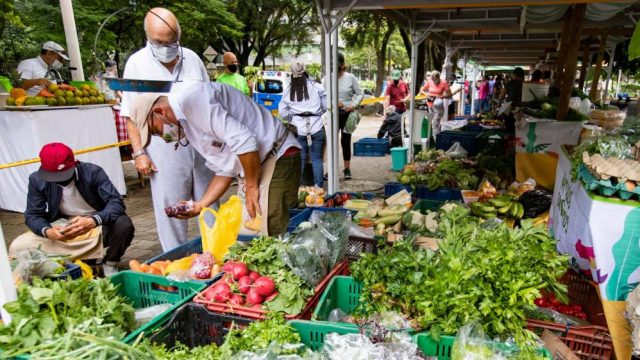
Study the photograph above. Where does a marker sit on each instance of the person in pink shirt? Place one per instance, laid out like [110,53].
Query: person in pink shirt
[436,91]
[482,103]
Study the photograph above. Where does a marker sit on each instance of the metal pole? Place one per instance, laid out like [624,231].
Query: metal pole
[331,186]
[464,88]
[412,101]
[7,287]
[472,85]
[609,71]
[334,89]
[70,33]
[618,83]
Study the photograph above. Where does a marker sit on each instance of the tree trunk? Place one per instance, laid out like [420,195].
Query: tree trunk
[382,56]
[598,69]
[420,70]
[585,63]
[567,63]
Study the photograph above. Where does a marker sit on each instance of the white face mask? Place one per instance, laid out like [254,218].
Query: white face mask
[171,133]
[164,53]
[56,64]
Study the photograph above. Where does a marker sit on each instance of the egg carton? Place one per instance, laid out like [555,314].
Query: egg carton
[606,187]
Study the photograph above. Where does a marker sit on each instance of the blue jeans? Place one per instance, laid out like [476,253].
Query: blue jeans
[317,150]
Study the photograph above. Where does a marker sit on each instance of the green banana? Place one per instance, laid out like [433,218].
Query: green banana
[520,213]
[513,209]
[505,209]
[498,203]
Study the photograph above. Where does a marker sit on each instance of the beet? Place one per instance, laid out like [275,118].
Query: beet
[244,284]
[264,286]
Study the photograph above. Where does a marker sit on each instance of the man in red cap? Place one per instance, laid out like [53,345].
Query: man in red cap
[74,209]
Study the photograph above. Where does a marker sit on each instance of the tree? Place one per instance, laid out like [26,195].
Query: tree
[268,26]
[362,28]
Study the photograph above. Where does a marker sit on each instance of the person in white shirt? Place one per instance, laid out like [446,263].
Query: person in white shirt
[38,72]
[176,170]
[303,104]
[236,136]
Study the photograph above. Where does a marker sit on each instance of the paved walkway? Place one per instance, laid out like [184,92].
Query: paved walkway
[146,245]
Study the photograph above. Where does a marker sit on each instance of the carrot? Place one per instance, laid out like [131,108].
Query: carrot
[157,265]
[145,268]
[154,271]
[135,265]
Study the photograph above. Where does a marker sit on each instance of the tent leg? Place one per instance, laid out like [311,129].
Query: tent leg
[335,110]
[70,33]
[607,98]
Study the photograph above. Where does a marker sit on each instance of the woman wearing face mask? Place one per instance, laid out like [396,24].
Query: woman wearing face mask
[349,96]
[436,91]
[230,75]
[303,103]
[38,72]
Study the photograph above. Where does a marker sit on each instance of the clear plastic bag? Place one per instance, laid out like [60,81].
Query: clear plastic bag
[144,315]
[308,255]
[456,151]
[335,227]
[360,347]
[35,263]
[279,352]
[472,344]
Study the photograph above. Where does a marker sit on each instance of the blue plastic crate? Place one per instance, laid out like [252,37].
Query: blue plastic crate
[190,247]
[371,147]
[72,271]
[294,211]
[306,214]
[391,188]
[473,128]
[441,194]
[467,139]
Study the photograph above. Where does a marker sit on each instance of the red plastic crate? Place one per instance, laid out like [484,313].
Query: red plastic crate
[341,269]
[583,292]
[589,342]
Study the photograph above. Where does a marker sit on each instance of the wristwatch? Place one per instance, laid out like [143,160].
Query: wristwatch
[138,153]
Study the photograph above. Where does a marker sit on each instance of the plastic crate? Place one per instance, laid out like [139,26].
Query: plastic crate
[476,128]
[340,269]
[189,248]
[442,349]
[193,325]
[441,194]
[590,342]
[312,333]
[342,292]
[295,211]
[306,215]
[72,271]
[371,147]
[357,245]
[392,188]
[467,139]
[424,205]
[143,290]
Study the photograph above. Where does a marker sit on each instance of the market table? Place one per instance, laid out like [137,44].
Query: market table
[25,132]
[601,236]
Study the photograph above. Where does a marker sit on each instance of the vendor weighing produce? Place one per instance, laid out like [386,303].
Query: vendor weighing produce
[38,72]
[236,136]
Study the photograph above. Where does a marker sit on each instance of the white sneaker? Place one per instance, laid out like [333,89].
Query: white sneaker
[110,268]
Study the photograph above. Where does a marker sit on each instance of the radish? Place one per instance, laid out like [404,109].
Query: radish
[236,299]
[221,292]
[239,270]
[254,298]
[244,284]
[254,275]
[257,306]
[227,266]
[208,295]
[264,286]
[272,296]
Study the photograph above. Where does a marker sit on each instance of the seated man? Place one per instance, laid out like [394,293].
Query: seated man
[391,127]
[72,208]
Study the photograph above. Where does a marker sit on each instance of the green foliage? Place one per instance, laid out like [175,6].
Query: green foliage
[634,44]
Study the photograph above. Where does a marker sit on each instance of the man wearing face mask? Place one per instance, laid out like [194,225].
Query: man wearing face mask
[231,76]
[396,93]
[36,73]
[73,209]
[176,170]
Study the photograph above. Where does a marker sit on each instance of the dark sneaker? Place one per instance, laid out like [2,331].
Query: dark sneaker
[347,174]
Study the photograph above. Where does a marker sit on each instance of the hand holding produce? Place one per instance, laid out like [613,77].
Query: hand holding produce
[181,208]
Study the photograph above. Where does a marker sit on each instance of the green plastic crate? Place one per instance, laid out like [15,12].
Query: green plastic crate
[442,349]
[6,83]
[142,290]
[424,205]
[342,292]
[312,333]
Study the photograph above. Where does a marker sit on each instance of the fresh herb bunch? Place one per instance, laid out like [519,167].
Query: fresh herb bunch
[490,275]
[183,352]
[263,257]
[50,309]
[259,335]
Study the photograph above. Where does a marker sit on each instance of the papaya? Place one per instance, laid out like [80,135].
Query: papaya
[21,100]
[18,93]
[46,93]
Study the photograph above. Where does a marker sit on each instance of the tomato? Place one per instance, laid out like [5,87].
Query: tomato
[581,315]
[541,302]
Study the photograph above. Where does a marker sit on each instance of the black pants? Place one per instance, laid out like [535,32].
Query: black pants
[345,139]
[117,236]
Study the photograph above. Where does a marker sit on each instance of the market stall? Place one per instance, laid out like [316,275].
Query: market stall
[25,132]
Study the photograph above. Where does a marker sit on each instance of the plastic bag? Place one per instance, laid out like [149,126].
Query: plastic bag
[471,344]
[358,346]
[277,351]
[575,103]
[144,315]
[307,253]
[335,228]
[535,202]
[34,263]
[352,122]
[224,233]
[585,106]
[456,151]
[548,314]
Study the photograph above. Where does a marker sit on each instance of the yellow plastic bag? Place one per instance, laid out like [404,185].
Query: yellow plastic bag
[224,233]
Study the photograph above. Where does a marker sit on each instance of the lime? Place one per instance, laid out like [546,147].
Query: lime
[11,101]
[62,101]
[52,101]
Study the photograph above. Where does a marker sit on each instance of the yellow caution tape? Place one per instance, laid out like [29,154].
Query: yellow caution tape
[78,152]
[381,99]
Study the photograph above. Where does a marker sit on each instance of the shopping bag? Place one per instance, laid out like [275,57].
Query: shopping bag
[218,239]
[352,122]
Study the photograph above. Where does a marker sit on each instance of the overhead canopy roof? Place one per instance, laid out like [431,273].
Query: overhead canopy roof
[504,32]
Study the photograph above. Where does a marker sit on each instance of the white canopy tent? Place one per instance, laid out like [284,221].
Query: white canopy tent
[493,32]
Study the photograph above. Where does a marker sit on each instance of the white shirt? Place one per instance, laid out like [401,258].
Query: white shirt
[349,91]
[72,203]
[144,66]
[316,104]
[221,123]
[34,68]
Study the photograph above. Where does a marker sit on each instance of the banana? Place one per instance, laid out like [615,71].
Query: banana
[520,213]
[504,210]
[498,203]
[513,210]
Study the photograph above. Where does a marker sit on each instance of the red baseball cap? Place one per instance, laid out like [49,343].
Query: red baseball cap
[57,162]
